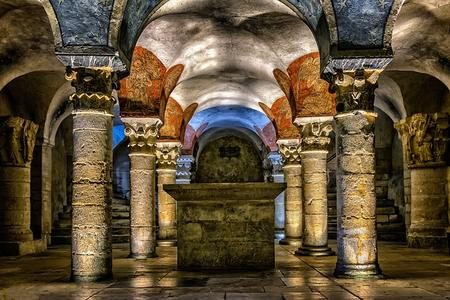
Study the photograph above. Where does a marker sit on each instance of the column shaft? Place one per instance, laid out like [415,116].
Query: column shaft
[293,205]
[167,207]
[356,199]
[142,205]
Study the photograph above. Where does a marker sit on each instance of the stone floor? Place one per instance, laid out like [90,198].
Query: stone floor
[409,274]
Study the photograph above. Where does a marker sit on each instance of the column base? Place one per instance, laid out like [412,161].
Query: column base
[279,234]
[22,248]
[314,251]
[428,242]
[94,278]
[142,256]
[166,243]
[291,241]
[358,271]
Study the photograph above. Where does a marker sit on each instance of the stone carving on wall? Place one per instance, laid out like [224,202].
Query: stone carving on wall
[93,88]
[290,151]
[167,154]
[276,161]
[17,140]
[426,138]
[315,133]
[142,133]
[355,90]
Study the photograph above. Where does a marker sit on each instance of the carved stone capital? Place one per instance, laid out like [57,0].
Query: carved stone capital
[290,151]
[355,90]
[142,134]
[17,141]
[425,138]
[184,166]
[93,88]
[276,161]
[315,133]
[167,154]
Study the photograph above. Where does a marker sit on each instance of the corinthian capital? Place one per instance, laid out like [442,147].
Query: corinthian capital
[17,140]
[167,154]
[93,88]
[355,90]
[290,151]
[315,132]
[425,138]
[142,133]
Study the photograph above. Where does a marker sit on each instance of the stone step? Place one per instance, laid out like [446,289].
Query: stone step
[120,215]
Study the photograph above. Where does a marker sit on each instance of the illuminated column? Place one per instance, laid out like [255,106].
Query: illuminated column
[17,140]
[278,177]
[184,167]
[92,168]
[290,151]
[357,253]
[427,157]
[142,134]
[314,142]
[167,154]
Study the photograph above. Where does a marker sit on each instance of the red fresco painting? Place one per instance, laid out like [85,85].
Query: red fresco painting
[173,118]
[311,92]
[282,113]
[140,92]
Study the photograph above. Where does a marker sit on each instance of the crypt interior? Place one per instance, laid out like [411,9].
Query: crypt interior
[211,149]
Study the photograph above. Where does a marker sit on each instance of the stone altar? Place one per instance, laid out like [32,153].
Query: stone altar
[225,225]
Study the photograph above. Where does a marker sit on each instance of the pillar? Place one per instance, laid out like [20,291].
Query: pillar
[314,144]
[290,151]
[92,172]
[17,140]
[357,252]
[278,177]
[142,134]
[167,154]
[184,167]
[403,130]
[427,158]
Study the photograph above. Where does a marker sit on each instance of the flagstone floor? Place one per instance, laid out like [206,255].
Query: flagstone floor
[409,274]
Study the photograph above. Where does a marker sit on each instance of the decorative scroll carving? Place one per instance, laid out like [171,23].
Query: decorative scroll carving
[290,151]
[355,90]
[17,140]
[315,133]
[184,167]
[93,88]
[167,154]
[426,138]
[142,134]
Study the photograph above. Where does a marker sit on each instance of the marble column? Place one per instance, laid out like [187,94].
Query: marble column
[315,141]
[142,134]
[357,251]
[427,158]
[184,167]
[403,130]
[293,228]
[92,172]
[278,177]
[167,154]
[17,140]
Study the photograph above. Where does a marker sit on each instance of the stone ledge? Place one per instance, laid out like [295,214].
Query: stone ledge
[22,248]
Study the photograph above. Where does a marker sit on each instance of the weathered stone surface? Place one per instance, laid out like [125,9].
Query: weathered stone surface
[356,199]
[225,226]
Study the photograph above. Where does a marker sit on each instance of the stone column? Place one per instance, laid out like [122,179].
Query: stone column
[184,166]
[167,154]
[278,177]
[357,253]
[290,151]
[403,130]
[41,202]
[142,134]
[17,140]
[427,158]
[92,172]
[315,142]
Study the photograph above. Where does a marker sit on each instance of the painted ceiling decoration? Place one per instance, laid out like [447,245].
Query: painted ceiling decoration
[104,32]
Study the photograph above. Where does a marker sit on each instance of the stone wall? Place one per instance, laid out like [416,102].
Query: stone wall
[121,172]
[229,159]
